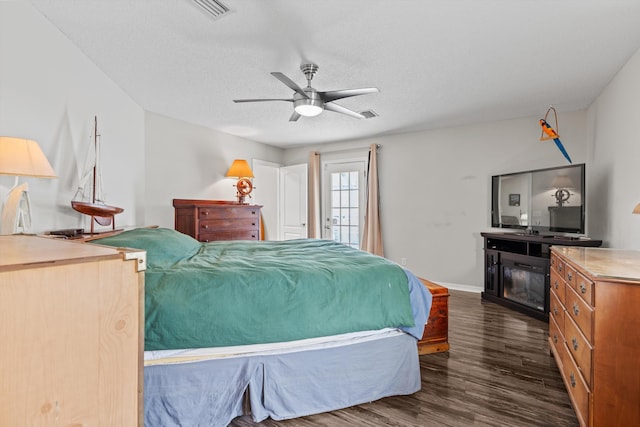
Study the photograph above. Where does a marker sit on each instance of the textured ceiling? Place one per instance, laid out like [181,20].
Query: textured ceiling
[437,63]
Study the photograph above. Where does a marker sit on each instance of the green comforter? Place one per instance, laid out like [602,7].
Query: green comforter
[238,292]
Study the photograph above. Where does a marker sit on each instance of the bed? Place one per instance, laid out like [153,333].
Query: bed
[275,329]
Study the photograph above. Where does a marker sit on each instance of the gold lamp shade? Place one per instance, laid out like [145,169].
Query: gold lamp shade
[240,169]
[636,210]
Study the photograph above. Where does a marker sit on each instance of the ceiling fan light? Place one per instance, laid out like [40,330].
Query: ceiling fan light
[308,107]
[308,110]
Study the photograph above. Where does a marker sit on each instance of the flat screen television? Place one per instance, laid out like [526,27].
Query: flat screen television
[542,201]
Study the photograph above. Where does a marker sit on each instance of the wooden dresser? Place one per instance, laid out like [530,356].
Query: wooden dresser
[594,332]
[208,220]
[436,332]
[71,328]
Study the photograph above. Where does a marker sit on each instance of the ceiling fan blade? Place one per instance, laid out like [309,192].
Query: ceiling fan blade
[261,99]
[340,109]
[290,83]
[294,117]
[332,95]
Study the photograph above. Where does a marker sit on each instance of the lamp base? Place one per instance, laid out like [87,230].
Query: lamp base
[16,215]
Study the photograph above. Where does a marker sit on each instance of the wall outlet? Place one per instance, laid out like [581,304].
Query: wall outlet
[403,261]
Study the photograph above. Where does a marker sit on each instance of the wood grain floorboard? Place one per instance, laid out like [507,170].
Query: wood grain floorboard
[497,373]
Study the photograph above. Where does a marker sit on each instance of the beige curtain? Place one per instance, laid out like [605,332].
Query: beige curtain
[313,197]
[372,233]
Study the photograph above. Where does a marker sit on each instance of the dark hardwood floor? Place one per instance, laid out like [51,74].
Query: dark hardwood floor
[497,373]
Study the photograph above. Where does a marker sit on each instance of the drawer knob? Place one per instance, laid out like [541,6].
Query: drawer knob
[553,261]
[569,276]
[555,339]
[574,341]
[555,310]
[576,309]
[253,212]
[560,268]
[572,379]
[205,212]
[556,284]
[205,226]
[583,288]
[253,223]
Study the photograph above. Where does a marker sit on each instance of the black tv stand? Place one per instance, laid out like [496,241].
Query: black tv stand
[516,269]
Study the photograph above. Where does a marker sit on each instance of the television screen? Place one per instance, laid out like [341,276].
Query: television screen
[544,200]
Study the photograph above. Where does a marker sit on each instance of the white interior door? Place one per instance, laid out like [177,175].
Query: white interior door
[293,196]
[344,187]
[266,178]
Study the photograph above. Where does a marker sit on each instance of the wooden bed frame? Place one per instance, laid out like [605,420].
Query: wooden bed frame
[435,338]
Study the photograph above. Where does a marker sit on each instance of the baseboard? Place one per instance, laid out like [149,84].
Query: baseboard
[459,287]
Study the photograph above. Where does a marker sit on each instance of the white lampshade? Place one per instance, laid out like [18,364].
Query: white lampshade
[20,157]
[562,181]
[23,157]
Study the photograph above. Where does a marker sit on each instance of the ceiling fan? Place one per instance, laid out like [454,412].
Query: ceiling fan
[309,102]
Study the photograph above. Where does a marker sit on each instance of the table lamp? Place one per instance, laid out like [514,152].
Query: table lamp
[240,169]
[20,157]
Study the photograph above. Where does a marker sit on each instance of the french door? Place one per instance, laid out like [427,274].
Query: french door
[344,192]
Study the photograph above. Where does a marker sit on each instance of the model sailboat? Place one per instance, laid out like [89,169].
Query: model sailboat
[88,198]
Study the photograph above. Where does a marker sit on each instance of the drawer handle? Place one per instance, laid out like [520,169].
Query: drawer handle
[556,284]
[205,212]
[560,268]
[253,223]
[572,379]
[253,212]
[555,310]
[553,261]
[574,341]
[576,309]
[555,339]
[205,226]
[569,276]
[583,288]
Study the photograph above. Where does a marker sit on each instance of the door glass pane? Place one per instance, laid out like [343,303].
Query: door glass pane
[354,198]
[354,217]
[353,180]
[335,181]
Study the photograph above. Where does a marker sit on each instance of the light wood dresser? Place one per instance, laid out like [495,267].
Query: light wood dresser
[594,332]
[209,220]
[71,333]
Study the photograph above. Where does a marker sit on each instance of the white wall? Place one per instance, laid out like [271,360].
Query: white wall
[186,161]
[614,160]
[50,92]
[435,187]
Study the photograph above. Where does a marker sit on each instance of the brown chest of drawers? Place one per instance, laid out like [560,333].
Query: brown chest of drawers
[594,332]
[436,332]
[209,220]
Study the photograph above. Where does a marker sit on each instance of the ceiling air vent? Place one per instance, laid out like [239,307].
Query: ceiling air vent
[213,8]
[369,114]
